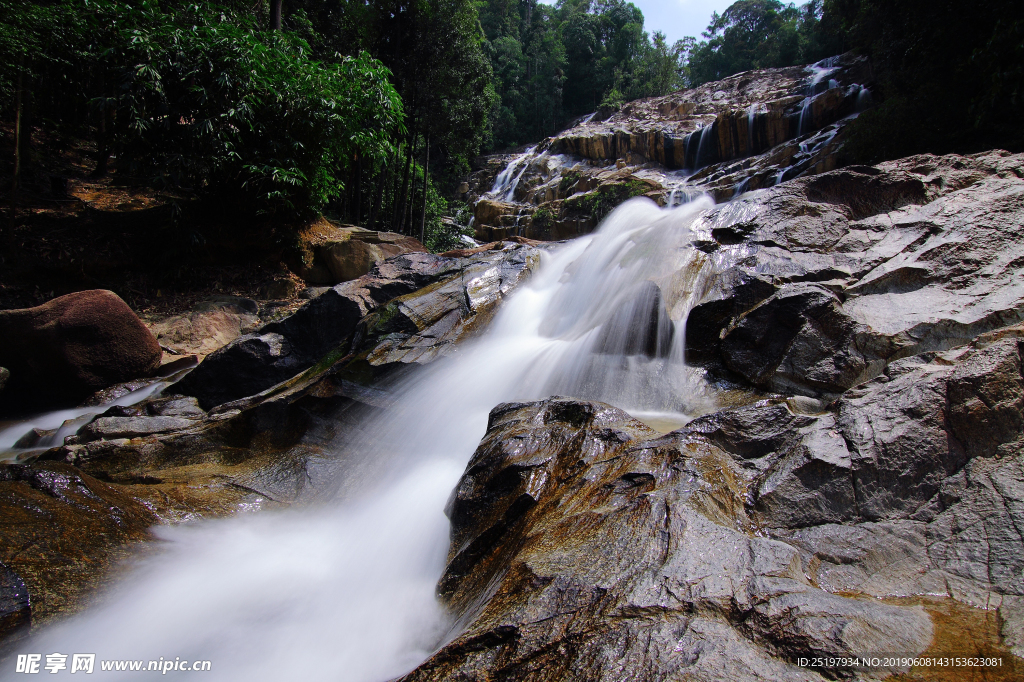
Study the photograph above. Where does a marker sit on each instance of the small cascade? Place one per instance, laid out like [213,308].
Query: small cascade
[864,99]
[548,167]
[698,147]
[752,112]
[505,184]
[819,71]
[59,424]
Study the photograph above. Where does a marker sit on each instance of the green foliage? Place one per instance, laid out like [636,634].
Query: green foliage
[600,202]
[554,63]
[543,217]
[950,80]
[755,34]
[435,52]
[199,97]
[441,232]
[220,106]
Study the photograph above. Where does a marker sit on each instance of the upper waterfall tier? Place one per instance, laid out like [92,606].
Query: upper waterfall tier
[752,130]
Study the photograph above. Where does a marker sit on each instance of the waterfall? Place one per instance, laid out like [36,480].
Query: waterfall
[346,590]
[505,184]
[751,116]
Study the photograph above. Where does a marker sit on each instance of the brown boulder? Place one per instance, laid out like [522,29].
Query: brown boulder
[61,352]
[489,212]
[332,255]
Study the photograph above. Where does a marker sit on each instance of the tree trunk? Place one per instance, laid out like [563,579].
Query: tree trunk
[383,178]
[400,223]
[17,131]
[426,170]
[359,190]
[275,15]
[410,222]
[102,145]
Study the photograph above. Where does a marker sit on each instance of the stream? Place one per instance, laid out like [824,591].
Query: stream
[347,590]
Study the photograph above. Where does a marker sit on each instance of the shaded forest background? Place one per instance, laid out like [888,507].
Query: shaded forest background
[372,110]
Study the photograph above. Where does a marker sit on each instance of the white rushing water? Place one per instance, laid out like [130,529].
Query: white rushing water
[65,422]
[346,591]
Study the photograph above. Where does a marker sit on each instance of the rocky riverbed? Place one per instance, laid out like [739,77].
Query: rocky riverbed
[863,494]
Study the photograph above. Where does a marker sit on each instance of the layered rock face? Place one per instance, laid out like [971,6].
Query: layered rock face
[749,131]
[835,276]
[409,309]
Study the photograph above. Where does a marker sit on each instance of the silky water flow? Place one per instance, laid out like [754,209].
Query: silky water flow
[346,590]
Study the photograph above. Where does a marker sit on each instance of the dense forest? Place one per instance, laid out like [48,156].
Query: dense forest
[374,109]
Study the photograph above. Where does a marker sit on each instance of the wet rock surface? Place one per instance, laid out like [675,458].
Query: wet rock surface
[257,434]
[586,547]
[875,493]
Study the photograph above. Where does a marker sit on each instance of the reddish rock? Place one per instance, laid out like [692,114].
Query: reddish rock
[61,352]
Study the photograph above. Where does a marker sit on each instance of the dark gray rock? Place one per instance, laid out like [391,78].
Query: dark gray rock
[176,406]
[799,339]
[839,274]
[15,606]
[108,428]
[248,365]
[409,308]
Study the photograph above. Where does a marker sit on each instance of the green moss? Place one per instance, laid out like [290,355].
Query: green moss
[568,181]
[600,202]
[542,217]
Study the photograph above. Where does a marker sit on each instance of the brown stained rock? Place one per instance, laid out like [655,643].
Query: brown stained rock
[61,529]
[211,325]
[357,255]
[489,212]
[330,254]
[584,547]
[61,352]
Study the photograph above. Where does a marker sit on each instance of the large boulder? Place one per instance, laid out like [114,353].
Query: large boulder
[586,547]
[354,257]
[61,352]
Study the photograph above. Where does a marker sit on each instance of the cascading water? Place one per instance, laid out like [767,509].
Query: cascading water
[346,590]
[819,72]
[505,184]
[66,422]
